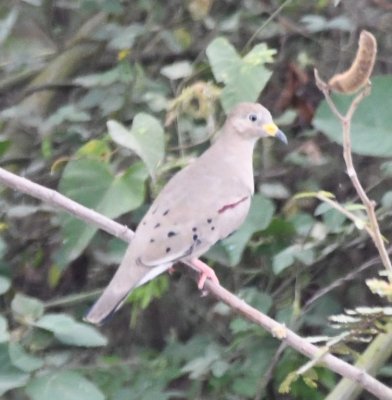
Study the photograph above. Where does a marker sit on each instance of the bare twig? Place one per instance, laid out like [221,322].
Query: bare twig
[278,330]
[357,221]
[379,350]
[370,205]
[338,282]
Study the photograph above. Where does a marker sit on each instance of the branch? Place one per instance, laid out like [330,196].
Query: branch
[370,205]
[58,200]
[278,330]
[378,351]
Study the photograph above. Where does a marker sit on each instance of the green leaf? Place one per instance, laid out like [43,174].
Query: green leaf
[283,260]
[67,113]
[200,366]
[229,251]
[4,335]
[10,376]
[71,332]
[23,360]
[5,284]
[224,59]
[370,128]
[120,73]
[334,220]
[64,385]
[145,138]
[286,257]
[244,78]
[93,184]
[386,200]
[26,308]
[7,23]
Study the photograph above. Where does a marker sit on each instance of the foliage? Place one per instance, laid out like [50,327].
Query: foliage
[108,131]
[371,132]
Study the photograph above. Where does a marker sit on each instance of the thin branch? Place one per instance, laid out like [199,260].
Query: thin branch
[338,282]
[370,205]
[278,330]
[346,389]
[58,200]
[357,221]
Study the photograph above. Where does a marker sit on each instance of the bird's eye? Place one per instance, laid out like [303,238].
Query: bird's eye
[252,117]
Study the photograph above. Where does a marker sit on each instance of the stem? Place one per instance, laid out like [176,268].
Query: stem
[370,205]
[239,306]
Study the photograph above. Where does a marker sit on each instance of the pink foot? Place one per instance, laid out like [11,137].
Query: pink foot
[205,272]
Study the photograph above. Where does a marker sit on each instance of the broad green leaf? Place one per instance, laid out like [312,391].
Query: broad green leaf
[229,251]
[334,220]
[23,360]
[286,257]
[386,200]
[71,332]
[4,335]
[121,73]
[306,256]
[63,385]
[199,366]
[7,23]
[244,78]
[370,128]
[69,113]
[224,59]
[386,169]
[283,260]
[93,184]
[145,138]
[26,308]
[5,284]
[10,376]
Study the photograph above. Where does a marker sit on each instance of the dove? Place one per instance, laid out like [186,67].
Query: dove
[201,204]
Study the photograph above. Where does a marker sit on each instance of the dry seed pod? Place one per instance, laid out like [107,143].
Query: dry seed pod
[358,74]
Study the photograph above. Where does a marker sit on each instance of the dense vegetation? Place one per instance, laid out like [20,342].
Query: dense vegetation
[103,100]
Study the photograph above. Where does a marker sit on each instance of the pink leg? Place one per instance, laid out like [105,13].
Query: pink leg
[205,272]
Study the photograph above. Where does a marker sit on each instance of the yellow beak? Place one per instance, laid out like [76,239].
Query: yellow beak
[272,130]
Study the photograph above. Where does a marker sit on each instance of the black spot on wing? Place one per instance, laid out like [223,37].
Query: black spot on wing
[157,225]
[166,212]
[171,234]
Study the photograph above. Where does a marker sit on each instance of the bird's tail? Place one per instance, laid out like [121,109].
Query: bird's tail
[129,275]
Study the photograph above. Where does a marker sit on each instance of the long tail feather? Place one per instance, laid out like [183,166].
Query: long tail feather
[129,275]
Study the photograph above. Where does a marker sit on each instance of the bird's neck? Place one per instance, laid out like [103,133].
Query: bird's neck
[237,155]
[236,146]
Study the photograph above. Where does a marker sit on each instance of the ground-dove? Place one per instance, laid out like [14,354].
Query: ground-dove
[201,204]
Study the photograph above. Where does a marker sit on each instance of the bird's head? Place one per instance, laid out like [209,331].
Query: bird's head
[253,121]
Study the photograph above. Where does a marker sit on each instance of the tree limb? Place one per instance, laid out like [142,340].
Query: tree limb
[239,306]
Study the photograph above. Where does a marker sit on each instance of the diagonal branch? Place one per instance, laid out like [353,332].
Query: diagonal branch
[239,306]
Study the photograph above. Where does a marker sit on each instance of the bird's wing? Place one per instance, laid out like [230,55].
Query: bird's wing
[186,223]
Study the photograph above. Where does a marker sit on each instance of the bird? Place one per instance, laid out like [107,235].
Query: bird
[200,205]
